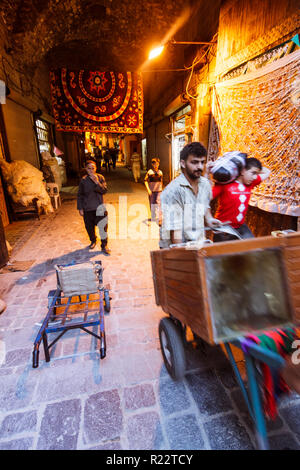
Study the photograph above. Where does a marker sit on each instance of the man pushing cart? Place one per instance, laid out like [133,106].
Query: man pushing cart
[241,293]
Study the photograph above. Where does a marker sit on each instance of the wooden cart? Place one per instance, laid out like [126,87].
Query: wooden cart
[224,292]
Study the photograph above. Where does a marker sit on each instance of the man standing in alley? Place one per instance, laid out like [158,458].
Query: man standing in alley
[98,158]
[114,156]
[185,202]
[136,165]
[107,157]
[90,205]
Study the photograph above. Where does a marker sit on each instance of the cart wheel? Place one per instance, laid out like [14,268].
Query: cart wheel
[172,348]
[106,301]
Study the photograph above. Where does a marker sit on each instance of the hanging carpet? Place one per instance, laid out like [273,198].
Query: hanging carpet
[97,101]
[259,114]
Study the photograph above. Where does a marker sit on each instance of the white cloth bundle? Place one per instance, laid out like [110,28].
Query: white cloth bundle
[54,166]
[228,167]
[25,183]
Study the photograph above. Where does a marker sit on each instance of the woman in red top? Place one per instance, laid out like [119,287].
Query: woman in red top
[233,199]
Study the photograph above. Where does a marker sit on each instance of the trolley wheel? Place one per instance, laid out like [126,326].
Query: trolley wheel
[171,343]
[106,301]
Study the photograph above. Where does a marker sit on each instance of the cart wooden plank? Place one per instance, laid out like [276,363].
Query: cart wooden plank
[180,265]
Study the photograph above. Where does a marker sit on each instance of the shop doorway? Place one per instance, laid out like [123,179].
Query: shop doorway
[178,142]
[44,135]
[179,137]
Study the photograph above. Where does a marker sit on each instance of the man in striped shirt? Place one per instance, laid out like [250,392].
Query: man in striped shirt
[186,200]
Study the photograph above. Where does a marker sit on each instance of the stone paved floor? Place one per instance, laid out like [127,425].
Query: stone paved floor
[127,400]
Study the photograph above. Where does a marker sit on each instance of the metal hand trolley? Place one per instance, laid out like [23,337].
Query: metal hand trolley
[68,313]
[177,269]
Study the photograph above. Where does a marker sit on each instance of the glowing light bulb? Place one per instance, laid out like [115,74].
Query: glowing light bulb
[155,52]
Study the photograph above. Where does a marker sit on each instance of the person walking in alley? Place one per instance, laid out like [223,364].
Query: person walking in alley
[107,157]
[185,202]
[136,165]
[233,198]
[114,156]
[90,205]
[98,158]
[153,183]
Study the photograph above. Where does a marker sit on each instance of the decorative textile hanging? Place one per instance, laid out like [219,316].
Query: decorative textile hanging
[97,101]
[258,114]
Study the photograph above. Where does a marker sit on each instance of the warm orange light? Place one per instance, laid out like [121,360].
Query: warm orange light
[155,52]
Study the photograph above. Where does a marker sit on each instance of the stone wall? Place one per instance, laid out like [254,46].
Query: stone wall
[243,35]
[28,90]
[241,32]
[248,28]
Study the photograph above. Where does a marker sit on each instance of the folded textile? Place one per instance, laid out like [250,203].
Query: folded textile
[78,279]
[273,383]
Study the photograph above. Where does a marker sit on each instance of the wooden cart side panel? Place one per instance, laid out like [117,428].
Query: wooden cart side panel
[292,263]
[191,304]
[187,278]
[180,287]
[178,254]
[206,306]
[172,309]
[158,278]
[185,304]
[183,266]
[293,238]
[194,325]
[184,289]
[239,246]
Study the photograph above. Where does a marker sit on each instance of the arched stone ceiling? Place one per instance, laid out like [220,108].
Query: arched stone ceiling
[85,33]
[40,35]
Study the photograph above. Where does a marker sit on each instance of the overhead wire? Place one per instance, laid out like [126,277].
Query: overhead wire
[196,62]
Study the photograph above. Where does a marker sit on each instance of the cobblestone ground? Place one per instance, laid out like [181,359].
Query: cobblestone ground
[127,400]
